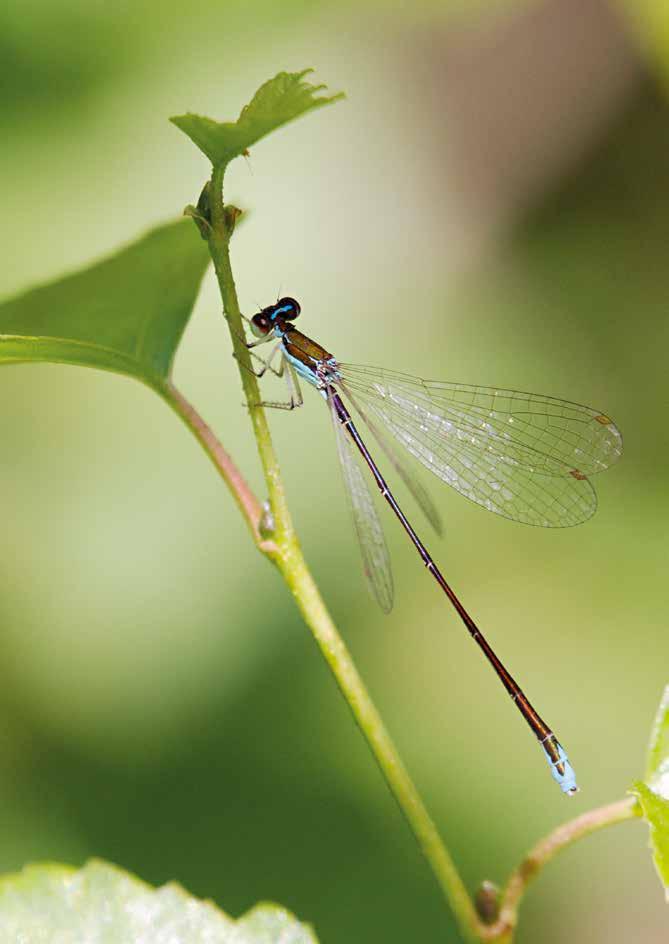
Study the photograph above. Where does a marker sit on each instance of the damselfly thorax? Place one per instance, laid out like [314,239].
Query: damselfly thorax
[309,359]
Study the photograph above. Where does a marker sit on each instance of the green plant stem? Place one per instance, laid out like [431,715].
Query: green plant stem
[290,561]
[312,608]
[220,253]
[503,929]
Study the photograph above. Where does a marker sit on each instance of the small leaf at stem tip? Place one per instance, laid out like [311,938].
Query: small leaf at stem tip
[655,810]
[101,902]
[282,99]
[657,763]
[126,313]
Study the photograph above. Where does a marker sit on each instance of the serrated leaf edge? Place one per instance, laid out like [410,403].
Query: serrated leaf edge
[17,880]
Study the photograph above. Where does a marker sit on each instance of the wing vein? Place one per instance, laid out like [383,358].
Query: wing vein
[520,455]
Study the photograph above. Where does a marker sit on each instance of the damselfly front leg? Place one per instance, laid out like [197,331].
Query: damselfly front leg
[285,370]
[266,364]
[248,344]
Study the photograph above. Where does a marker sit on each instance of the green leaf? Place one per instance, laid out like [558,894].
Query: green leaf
[103,903]
[655,810]
[283,98]
[653,795]
[125,314]
[657,765]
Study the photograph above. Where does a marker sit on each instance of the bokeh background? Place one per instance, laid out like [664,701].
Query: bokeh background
[490,204]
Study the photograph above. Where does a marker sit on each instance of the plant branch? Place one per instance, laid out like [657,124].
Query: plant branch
[503,929]
[245,499]
[289,559]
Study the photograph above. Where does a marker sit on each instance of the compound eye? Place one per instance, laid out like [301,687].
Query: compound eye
[289,308]
[260,325]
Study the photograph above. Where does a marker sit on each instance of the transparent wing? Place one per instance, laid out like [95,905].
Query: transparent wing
[375,557]
[547,435]
[420,494]
[520,455]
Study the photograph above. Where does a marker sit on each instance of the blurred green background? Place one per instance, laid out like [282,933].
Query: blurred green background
[491,204]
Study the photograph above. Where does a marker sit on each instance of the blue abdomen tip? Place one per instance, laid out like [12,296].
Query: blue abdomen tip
[567,779]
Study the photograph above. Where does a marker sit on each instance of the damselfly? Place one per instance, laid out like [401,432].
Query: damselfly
[523,456]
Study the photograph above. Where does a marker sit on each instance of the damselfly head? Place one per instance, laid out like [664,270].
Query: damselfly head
[286,309]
